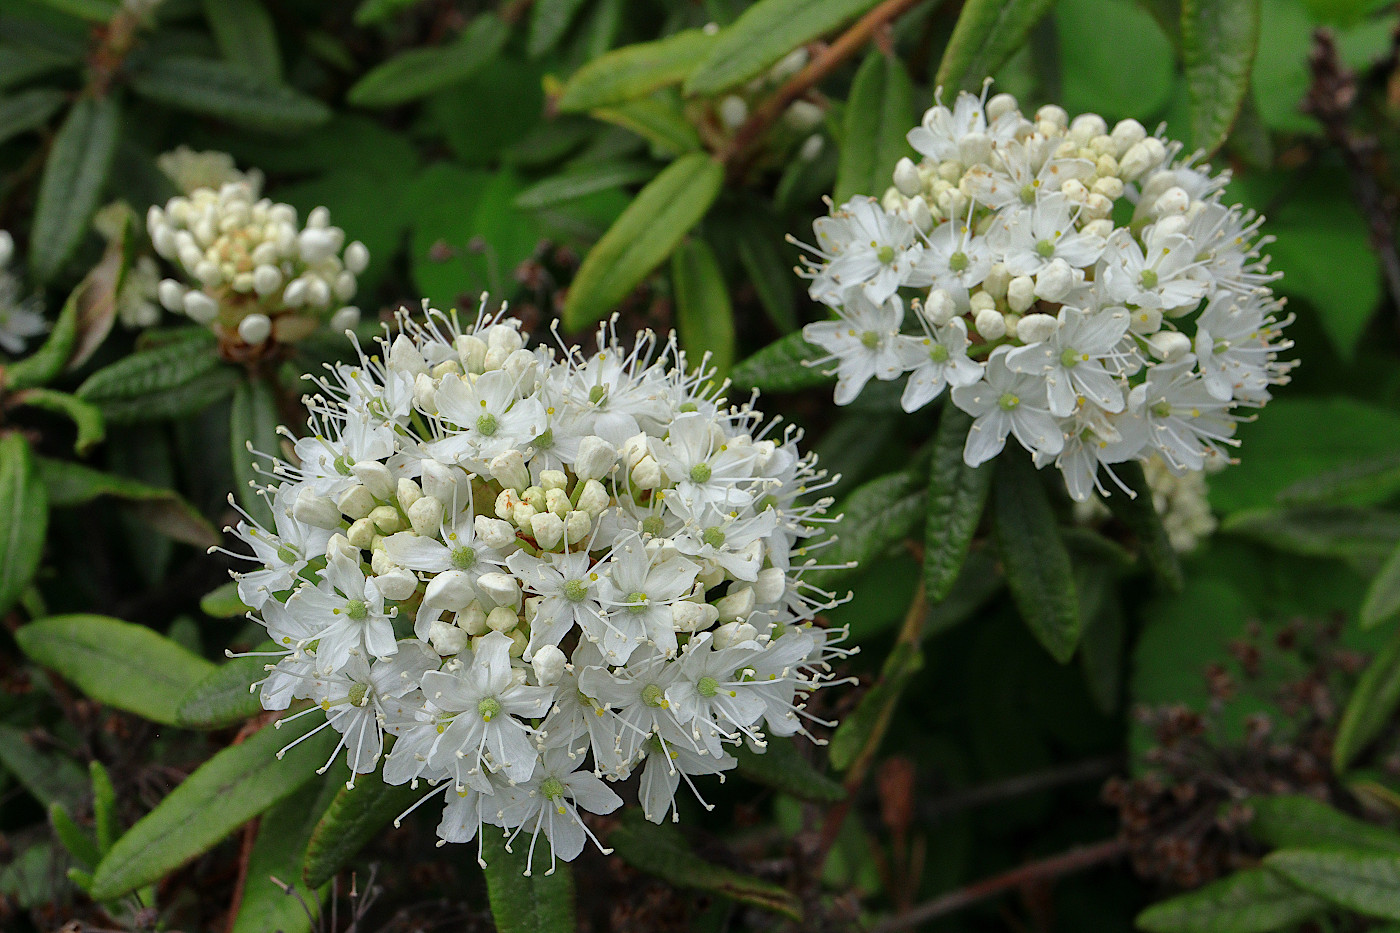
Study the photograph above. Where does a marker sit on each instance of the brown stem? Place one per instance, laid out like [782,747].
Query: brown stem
[1019,786]
[245,855]
[1066,863]
[827,61]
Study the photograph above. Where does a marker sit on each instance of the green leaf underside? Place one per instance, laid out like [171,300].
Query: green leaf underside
[1291,821]
[987,33]
[539,903]
[1383,595]
[1370,707]
[1255,900]
[215,89]
[72,484]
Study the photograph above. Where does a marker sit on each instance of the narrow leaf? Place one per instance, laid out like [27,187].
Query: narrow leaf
[217,89]
[74,174]
[585,179]
[634,71]
[762,35]
[168,380]
[417,73]
[704,316]
[957,494]
[1218,41]
[1383,595]
[223,696]
[878,515]
[1364,882]
[988,32]
[86,418]
[24,518]
[277,853]
[224,793]
[1037,564]
[538,903]
[659,119]
[783,366]
[1370,706]
[48,775]
[1291,821]
[876,706]
[127,666]
[642,237]
[1364,535]
[72,484]
[75,839]
[223,602]
[783,768]
[104,805]
[549,22]
[354,818]
[878,115]
[660,851]
[28,110]
[769,273]
[253,421]
[246,37]
[1140,515]
[1252,901]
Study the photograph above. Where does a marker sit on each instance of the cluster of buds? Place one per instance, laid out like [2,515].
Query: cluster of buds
[249,271]
[1091,341]
[539,572]
[800,120]
[1181,499]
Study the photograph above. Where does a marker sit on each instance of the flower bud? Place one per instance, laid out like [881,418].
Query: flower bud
[425,393]
[647,473]
[634,449]
[596,458]
[356,502]
[734,633]
[294,295]
[356,257]
[361,533]
[446,368]
[548,529]
[509,470]
[473,620]
[687,616]
[471,350]
[1109,187]
[1020,293]
[376,478]
[577,525]
[344,319]
[770,585]
[397,583]
[387,519]
[502,619]
[1169,345]
[505,338]
[501,588]
[940,307]
[404,356]
[737,604]
[557,501]
[974,148]
[1173,201]
[553,479]
[493,532]
[1036,328]
[172,296]
[548,662]
[521,514]
[990,324]
[266,279]
[1142,157]
[316,511]
[1085,127]
[425,516]
[1054,281]
[1128,133]
[733,111]
[199,307]
[919,215]
[451,590]
[518,644]
[446,639]
[534,495]
[906,178]
[1000,105]
[407,492]
[440,480]
[594,498]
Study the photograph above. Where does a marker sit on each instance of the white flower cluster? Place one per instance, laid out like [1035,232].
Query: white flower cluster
[20,318]
[1079,287]
[539,569]
[249,270]
[1182,501]
[191,170]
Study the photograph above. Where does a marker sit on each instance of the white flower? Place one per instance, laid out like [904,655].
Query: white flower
[865,246]
[1071,360]
[1006,402]
[864,342]
[936,360]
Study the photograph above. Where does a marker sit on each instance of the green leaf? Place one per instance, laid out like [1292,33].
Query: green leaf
[1140,515]
[878,115]
[783,366]
[769,272]
[875,707]
[246,37]
[277,853]
[354,818]
[878,515]
[222,794]
[1037,564]
[783,768]
[1383,595]
[104,806]
[661,851]
[72,484]
[704,316]
[634,71]
[1370,707]
[1133,75]
[1362,536]
[1289,821]
[86,418]
[762,35]
[549,22]
[49,776]
[28,110]
[123,665]
[1255,900]
[1364,882]
[24,518]
[642,237]
[217,89]
[988,32]
[1369,479]
[957,493]
[417,73]
[377,11]
[1101,648]
[223,602]
[540,903]
[1218,40]
[74,838]
[223,696]
[169,380]
[580,180]
[659,119]
[253,420]
[74,174]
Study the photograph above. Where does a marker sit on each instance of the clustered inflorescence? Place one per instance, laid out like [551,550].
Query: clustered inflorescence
[1081,288]
[247,268]
[538,569]
[20,318]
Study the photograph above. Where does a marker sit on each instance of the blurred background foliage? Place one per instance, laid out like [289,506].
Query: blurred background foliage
[576,156]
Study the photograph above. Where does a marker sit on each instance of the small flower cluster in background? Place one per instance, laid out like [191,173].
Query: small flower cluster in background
[537,570]
[20,318]
[1079,287]
[246,267]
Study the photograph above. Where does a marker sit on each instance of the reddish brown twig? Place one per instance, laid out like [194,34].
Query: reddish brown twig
[1067,863]
[827,61]
[245,855]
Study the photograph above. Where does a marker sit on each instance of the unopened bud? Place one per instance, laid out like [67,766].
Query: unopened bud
[425,516]
[734,633]
[509,470]
[1169,345]
[990,324]
[451,590]
[737,604]
[387,519]
[502,619]
[596,458]
[446,639]
[1036,328]
[314,510]
[906,177]
[548,662]
[361,533]
[577,525]
[1054,281]
[770,585]
[356,502]
[501,588]
[473,620]
[440,480]
[687,616]
[646,474]
[548,529]
[199,307]
[492,532]
[376,478]
[397,583]
[940,307]
[1020,293]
